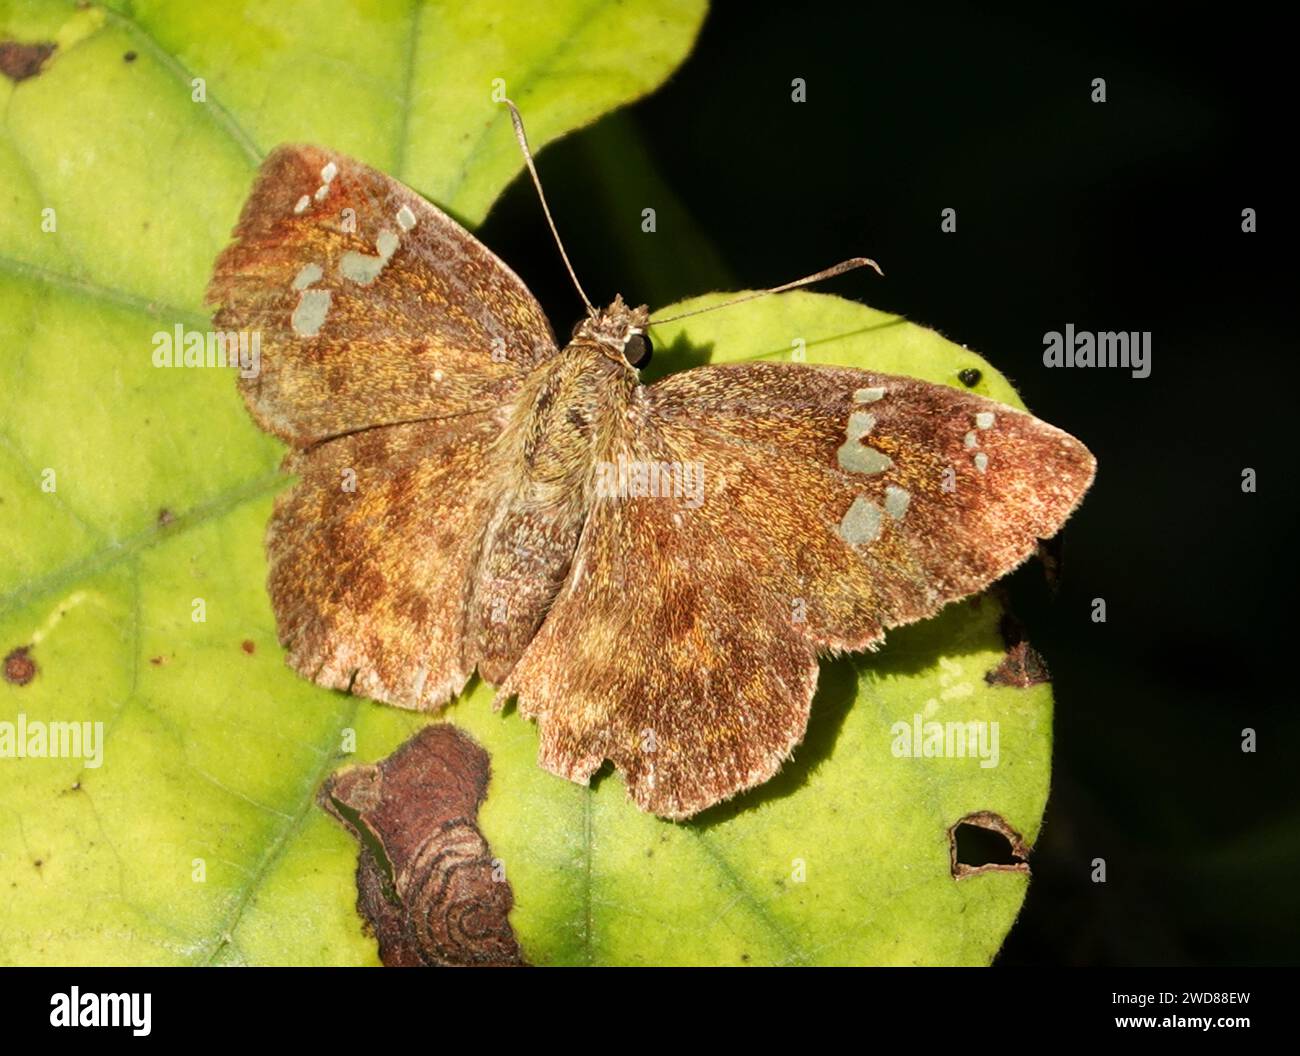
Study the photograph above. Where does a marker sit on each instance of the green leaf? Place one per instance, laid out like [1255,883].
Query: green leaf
[197,840]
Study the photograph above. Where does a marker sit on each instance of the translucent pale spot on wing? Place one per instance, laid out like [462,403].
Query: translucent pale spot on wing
[856,457]
[362,268]
[405,218]
[981,461]
[861,524]
[310,314]
[302,203]
[984,420]
[896,501]
[971,441]
[868,395]
[309,274]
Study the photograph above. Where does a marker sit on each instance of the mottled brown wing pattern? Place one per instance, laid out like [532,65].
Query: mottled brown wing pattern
[669,649]
[448,454]
[393,347]
[372,305]
[373,554]
[897,496]
[684,643]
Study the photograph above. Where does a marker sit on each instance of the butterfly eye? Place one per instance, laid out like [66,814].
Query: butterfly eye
[637,350]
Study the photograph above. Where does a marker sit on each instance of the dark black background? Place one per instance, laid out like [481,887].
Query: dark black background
[1117,216]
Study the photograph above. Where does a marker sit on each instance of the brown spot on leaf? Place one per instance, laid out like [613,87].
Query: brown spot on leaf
[427,883]
[19,61]
[1023,666]
[248,646]
[20,668]
[970,852]
[157,661]
[130,56]
[165,517]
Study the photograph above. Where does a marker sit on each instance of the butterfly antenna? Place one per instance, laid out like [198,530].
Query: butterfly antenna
[828,273]
[537,182]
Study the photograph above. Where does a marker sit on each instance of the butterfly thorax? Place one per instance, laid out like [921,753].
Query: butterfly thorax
[568,417]
[565,413]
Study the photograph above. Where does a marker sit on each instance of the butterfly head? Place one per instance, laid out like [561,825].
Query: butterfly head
[619,331]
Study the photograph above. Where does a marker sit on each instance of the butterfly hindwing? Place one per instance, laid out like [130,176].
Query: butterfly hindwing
[836,503]
[666,650]
[371,305]
[373,554]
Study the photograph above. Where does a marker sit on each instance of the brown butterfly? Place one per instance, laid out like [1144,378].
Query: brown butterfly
[473,496]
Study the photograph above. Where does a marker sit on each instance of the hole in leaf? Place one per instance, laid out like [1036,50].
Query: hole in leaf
[983,843]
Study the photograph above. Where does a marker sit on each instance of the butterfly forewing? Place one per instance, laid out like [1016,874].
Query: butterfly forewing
[371,305]
[393,348]
[915,494]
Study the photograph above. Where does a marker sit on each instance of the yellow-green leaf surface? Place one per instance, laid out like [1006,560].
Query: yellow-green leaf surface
[134,499]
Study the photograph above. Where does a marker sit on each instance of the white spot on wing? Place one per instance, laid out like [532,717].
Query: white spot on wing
[405,218]
[309,274]
[856,457]
[309,316]
[387,243]
[364,269]
[897,501]
[360,267]
[861,524]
